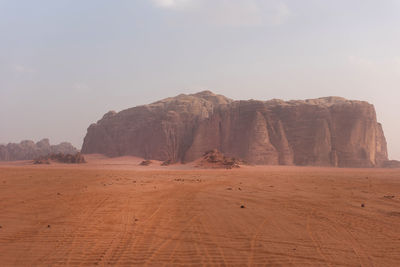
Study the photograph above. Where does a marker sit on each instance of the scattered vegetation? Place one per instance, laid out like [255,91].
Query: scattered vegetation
[60,157]
[389,197]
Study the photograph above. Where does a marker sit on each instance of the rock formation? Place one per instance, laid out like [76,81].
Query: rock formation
[215,159]
[29,150]
[330,131]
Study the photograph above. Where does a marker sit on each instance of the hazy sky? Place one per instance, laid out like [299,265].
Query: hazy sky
[65,63]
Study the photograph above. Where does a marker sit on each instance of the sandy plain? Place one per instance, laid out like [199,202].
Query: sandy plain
[116,213]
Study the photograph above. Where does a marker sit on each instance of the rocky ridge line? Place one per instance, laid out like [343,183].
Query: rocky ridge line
[29,150]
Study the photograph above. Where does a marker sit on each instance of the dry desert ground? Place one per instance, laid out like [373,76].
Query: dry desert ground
[114,212]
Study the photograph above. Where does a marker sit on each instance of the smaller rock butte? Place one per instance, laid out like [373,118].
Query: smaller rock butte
[329,131]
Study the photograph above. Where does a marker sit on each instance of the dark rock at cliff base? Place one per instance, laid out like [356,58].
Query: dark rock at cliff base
[329,131]
[145,163]
[167,163]
[29,150]
[216,159]
[41,160]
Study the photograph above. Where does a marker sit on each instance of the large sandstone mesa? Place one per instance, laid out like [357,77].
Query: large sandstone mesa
[330,131]
[28,150]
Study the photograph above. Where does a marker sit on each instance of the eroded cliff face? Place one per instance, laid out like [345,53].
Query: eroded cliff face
[328,131]
[162,130]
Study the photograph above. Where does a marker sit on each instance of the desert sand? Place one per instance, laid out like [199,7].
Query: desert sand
[114,212]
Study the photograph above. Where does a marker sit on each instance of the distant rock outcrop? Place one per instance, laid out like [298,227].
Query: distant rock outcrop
[330,131]
[29,150]
[391,164]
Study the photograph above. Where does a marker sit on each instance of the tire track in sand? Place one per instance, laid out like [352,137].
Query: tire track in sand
[317,244]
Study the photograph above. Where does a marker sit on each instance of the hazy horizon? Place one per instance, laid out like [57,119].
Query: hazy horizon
[66,63]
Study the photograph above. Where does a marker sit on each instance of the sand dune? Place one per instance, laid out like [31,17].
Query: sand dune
[127,215]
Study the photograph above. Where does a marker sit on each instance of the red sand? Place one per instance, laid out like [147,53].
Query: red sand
[113,212]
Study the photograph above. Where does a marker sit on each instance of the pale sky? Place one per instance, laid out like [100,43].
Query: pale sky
[65,63]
